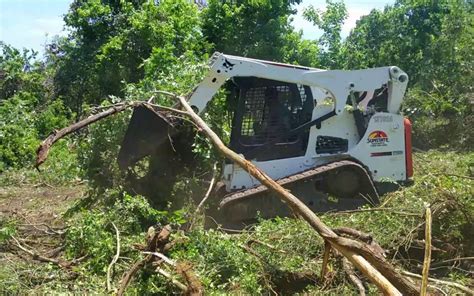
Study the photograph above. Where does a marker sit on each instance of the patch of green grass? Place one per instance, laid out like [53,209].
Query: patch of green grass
[282,246]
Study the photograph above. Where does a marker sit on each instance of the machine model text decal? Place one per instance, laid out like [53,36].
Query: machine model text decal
[383,118]
[377,139]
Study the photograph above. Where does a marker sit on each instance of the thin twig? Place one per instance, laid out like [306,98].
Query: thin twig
[251,241]
[49,230]
[209,190]
[168,108]
[161,256]
[391,210]
[441,282]
[427,260]
[177,283]
[349,269]
[327,253]
[36,256]
[452,260]
[114,260]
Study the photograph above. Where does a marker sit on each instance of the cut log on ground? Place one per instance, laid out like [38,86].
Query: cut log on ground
[157,240]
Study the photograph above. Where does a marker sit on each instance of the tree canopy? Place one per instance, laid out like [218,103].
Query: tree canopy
[130,48]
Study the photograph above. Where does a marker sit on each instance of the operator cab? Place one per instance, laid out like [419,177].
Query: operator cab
[266,112]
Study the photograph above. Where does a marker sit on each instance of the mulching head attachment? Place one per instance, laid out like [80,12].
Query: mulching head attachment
[148,131]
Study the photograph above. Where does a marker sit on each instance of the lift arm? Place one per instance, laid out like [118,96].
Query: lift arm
[337,83]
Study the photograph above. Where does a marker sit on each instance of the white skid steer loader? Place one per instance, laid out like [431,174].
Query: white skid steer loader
[329,136]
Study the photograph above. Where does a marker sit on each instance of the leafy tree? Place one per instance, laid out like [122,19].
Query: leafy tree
[258,29]
[110,43]
[330,21]
[26,112]
[432,41]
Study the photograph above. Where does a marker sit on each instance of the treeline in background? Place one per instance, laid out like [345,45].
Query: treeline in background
[124,50]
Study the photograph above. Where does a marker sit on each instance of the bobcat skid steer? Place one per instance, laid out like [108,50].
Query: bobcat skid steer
[329,136]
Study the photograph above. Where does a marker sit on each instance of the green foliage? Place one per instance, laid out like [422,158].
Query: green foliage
[18,138]
[330,21]
[258,29]
[22,125]
[27,114]
[98,152]
[7,229]
[19,72]
[113,39]
[91,232]
[432,42]
[220,262]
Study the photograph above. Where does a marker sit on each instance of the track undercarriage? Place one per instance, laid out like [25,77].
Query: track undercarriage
[340,185]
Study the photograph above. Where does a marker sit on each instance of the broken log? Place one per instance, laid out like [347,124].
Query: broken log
[157,240]
[375,267]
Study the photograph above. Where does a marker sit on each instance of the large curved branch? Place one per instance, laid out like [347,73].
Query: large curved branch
[384,275]
[43,149]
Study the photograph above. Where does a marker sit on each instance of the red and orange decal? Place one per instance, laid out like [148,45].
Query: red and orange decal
[377,138]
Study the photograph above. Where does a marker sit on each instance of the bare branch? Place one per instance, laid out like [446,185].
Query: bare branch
[349,269]
[427,260]
[327,253]
[441,282]
[43,149]
[209,190]
[376,268]
[36,256]
[114,260]
[177,283]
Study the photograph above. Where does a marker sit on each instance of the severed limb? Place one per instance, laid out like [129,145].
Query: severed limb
[59,262]
[43,150]
[327,253]
[375,267]
[460,287]
[114,260]
[349,269]
[209,190]
[427,260]
[157,240]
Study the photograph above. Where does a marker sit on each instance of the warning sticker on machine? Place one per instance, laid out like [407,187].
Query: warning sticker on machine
[377,139]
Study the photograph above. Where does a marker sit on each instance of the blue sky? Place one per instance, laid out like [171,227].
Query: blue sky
[31,23]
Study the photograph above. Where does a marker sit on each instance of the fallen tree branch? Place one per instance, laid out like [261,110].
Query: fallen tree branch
[349,269]
[162,257]
[114,260]
[327,253]
[43,149]
[465,289]
[177,283]
[209,190]
[376,268]
[194,286]
[35,256]
[366,238]
[49,230]
[427,260]
[156,240]
[378,209]
[128,276]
